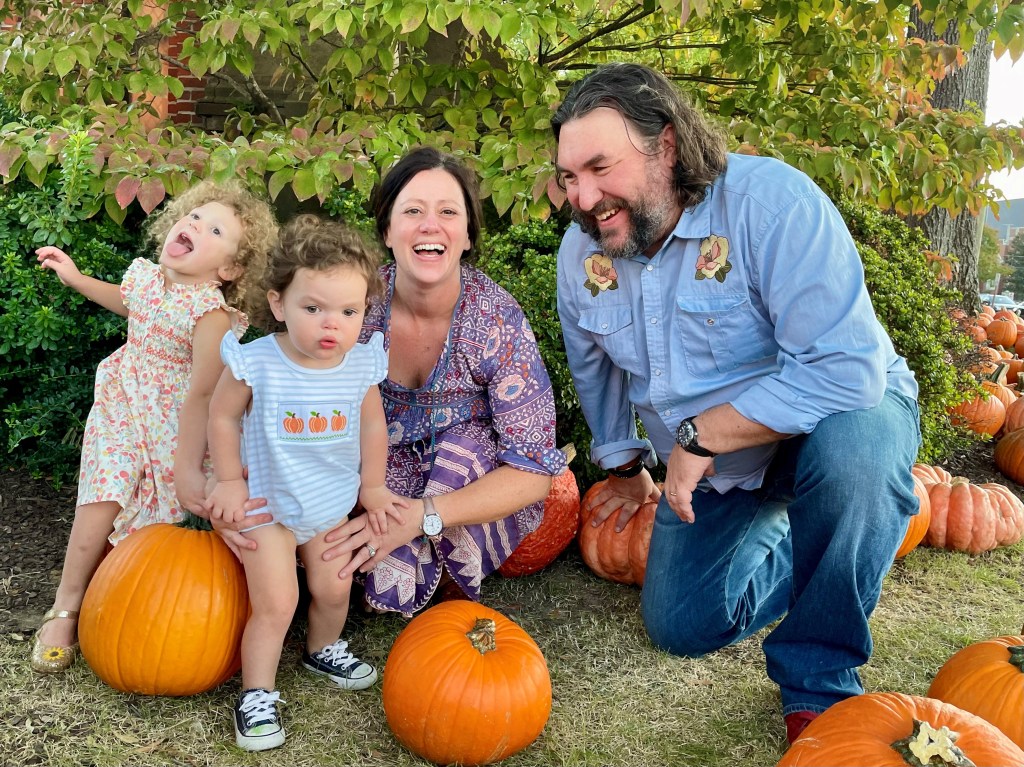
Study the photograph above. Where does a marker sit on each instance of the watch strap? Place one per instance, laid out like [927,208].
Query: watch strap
[628,470]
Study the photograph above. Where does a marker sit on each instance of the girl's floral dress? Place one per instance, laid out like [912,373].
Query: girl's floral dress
[132,430]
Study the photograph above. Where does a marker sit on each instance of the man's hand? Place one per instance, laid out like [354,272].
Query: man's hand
[685,470]
[623,495]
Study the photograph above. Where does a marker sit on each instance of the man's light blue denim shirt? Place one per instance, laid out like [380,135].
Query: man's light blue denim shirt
[756,298]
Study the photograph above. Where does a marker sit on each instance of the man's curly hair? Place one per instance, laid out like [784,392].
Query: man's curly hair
[259,233]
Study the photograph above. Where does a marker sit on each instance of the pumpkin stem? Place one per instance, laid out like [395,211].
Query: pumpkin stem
[1017,656]
[190,521]
[928,747]
[481,636]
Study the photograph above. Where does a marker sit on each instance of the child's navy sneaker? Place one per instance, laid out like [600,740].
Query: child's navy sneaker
[340,666]
[257,721]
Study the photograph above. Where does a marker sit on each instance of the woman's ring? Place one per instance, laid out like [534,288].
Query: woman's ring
[671,493]
[373,551]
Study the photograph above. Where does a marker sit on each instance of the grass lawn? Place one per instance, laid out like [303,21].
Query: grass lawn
[617,701]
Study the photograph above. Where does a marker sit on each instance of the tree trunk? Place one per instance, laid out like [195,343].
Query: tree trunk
[961,89]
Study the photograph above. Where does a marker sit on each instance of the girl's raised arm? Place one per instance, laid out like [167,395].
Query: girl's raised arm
[106,294]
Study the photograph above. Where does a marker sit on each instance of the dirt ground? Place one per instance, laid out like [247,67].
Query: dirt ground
[35,521]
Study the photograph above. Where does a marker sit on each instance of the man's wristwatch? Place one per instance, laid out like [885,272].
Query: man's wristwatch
[628,470]
[432,524]
[686,438]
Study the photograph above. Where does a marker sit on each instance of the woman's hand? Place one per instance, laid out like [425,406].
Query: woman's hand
[356,536]
[230,531]
[626,495]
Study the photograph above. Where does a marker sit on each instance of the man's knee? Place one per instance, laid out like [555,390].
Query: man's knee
[685,629]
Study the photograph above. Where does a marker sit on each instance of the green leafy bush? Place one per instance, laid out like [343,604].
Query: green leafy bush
[51,338]
[916,312]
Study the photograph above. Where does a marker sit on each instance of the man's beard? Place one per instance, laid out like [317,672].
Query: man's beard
[647,223]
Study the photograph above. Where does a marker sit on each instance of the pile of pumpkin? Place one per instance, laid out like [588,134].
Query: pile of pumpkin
[999,412]
[181,594]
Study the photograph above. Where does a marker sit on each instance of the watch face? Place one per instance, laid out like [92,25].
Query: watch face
[685,433]
[432,525]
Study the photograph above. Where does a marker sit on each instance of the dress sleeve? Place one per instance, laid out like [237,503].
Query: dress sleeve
[378,358]
[520,394]
[211,298]
[233,355]
[137,270]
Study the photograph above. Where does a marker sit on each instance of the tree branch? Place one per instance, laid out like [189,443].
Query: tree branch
[631,16]
[250,90]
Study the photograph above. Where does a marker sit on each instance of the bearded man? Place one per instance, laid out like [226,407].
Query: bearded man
[721,299]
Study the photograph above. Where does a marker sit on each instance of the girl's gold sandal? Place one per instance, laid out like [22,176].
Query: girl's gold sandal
[52,659]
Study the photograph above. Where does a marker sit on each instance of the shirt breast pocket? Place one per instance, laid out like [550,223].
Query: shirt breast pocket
[615,333]
[719,334]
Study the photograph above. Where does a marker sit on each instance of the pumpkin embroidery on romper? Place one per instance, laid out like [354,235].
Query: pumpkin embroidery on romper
[713,261]
[309,422]
[601,274]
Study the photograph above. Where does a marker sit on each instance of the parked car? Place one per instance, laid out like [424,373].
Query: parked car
[1000,302]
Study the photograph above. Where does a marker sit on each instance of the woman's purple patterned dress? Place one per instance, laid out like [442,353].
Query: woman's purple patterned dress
[487,403]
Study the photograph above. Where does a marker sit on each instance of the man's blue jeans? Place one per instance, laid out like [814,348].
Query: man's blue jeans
[812,544]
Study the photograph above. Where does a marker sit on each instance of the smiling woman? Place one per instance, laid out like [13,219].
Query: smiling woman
[470,411]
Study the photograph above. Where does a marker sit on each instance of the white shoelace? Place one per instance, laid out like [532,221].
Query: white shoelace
[337,654]
[258,705]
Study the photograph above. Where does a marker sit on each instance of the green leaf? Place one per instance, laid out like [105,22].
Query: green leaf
[64,61]
[279,181]
[473,19]
[413,14]
[304,184]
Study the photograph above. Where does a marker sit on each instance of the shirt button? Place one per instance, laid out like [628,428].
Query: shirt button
[657,372]
[654,320]
[604,326]
[668,412]
[710,322]
[650,268]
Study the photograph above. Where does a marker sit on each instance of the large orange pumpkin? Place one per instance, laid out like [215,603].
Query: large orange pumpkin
[987,679]
[557,529]
[464,684]
[619,556]
[164,613]
[887,729]
[1001,332]
[918,526]
[1014,416]
[962,517]
[982,415]
[1009,455]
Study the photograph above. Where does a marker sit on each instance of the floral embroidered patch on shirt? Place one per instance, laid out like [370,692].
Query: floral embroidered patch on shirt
[601,274]
[713,260]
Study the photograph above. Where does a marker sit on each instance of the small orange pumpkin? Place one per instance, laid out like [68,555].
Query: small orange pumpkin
[918,526]
[889,729]
[338,421]
[557,529]
[619,556]
[464,684]
[317,422]
[164,613]
[987,679]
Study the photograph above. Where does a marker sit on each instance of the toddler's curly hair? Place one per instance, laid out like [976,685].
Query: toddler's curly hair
[312,242]
[259,233]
